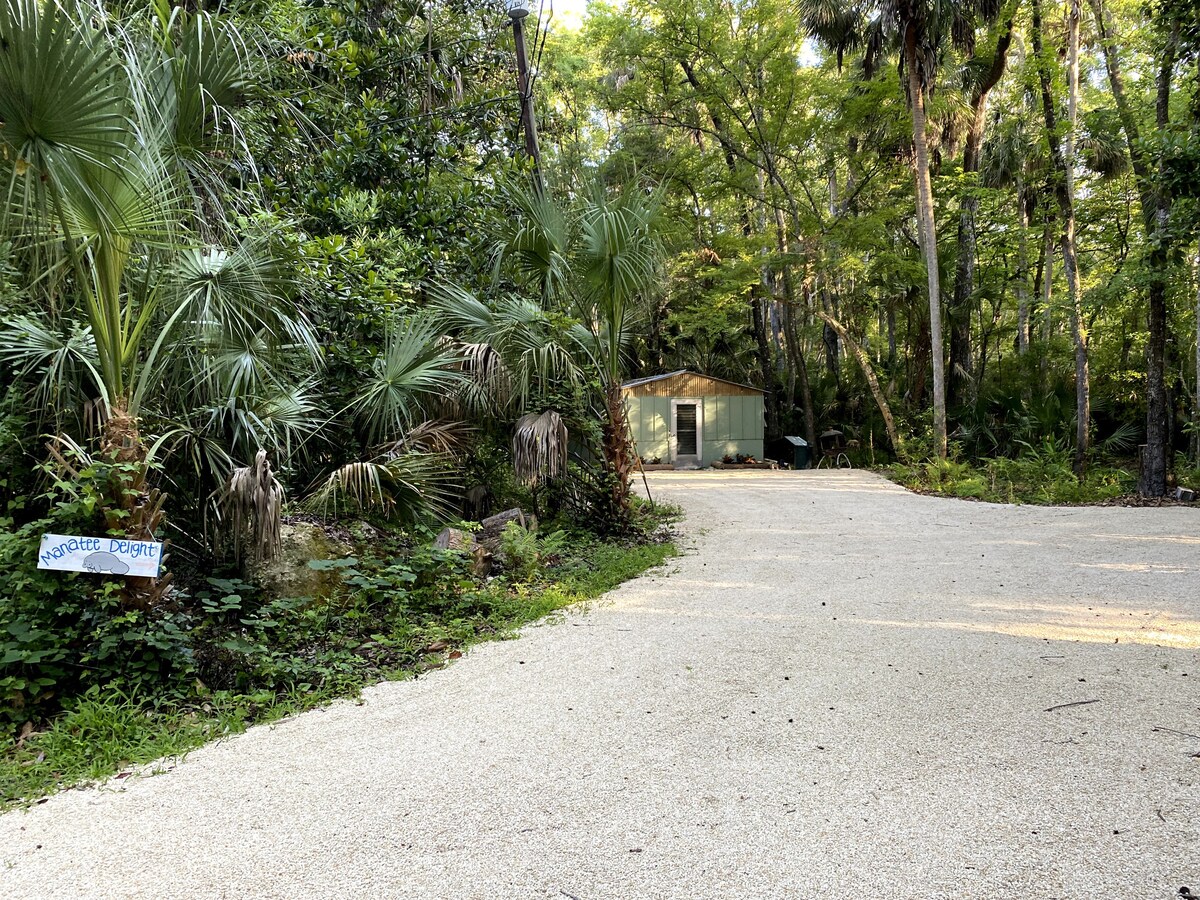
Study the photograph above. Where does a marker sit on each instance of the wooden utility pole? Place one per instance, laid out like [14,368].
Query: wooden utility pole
[518,12]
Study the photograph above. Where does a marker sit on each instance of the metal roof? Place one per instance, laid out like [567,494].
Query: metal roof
[640,381]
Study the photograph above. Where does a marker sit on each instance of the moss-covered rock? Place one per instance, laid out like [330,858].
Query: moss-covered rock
[290,575]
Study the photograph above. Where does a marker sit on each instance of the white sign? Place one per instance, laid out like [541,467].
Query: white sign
[100,555]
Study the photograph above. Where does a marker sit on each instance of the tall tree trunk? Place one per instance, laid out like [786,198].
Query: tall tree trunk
[872,382]
[757,311]
[1083,387]
[964,276]
[1156,461]
[1022,271]
[833,351]
[891,334]
[829,337]
[1047,291]
[928,232]
[132,505]
[1196,398]
[796,352]
[619,457]
[1063,153]
[1156,213]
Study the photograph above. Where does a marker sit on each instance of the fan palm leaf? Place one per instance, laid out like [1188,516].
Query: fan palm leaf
[534,349]
[407,487]
[536,241]
[61,103]
[414,368]
[59,364]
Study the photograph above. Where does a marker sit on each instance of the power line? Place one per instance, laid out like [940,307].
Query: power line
[537,61]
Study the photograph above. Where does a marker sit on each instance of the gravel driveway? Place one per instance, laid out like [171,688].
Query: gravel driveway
[841,690]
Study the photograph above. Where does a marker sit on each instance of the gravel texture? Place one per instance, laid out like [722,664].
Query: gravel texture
[840,691]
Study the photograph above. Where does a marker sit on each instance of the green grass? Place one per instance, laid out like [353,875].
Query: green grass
[102,733]
[609,566]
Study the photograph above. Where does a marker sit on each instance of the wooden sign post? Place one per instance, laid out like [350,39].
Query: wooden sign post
[100,555]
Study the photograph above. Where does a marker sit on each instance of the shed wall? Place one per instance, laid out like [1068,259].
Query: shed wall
[649,423]
[731,425]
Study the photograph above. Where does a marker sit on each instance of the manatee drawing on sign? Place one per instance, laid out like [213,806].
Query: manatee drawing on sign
[105,563]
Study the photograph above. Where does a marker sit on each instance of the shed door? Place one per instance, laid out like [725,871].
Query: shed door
[686,432]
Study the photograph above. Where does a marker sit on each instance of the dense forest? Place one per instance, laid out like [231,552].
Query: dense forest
[277,261]
[975,219]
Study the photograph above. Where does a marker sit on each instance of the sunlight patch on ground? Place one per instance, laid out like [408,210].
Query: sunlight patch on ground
[1136,567]
[722,614]
[1178,635]
[1164,538]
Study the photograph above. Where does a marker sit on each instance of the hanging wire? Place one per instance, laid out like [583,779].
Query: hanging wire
[537,61]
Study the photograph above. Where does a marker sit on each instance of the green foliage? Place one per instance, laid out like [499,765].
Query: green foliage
[130,686]
[525,553]
[104,731]
[62,633]
[1042,475]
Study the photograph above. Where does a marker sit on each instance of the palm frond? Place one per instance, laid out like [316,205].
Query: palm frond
[58,110]
[252,505]
[61,367]
[535,348]
[489,382]
[444,438]
[536,241]
[413,368]
[540,448]
[245,289]
[408,487]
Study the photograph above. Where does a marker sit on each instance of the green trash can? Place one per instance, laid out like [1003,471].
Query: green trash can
[801,452]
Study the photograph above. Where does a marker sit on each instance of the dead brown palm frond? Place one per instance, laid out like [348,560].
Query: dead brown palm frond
[485,365]
[540,448]
[434,436]
[251,506]
[489,382]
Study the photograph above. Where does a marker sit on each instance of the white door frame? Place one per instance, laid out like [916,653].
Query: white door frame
[698,459]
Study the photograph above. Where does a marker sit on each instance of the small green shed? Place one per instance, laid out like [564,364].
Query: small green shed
[687,419]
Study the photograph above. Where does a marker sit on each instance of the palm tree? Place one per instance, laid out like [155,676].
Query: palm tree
[620,256]
[514,353]
[596,264]
[922,31]
[398,409]
[112,136]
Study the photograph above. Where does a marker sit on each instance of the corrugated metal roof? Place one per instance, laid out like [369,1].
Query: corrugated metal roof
[637,382]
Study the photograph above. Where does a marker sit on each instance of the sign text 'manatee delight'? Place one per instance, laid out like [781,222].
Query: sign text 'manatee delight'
[100,555]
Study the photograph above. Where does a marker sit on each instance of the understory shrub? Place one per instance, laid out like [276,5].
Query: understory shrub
[63,635]
[525,552]
[1041,474]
